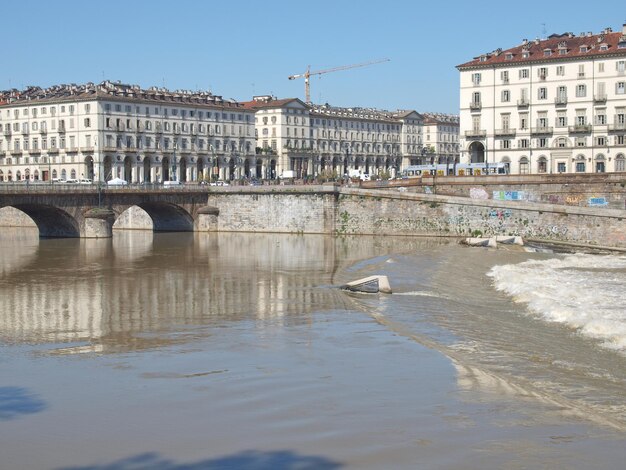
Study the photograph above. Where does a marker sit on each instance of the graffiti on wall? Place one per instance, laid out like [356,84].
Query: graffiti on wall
[509,195]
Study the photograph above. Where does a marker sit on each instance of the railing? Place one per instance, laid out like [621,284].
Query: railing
[599,98]
[560,100]
[505,132]
[523,102]
[580,129]
[476,133]
[475,105]
[541,130]
[619,127]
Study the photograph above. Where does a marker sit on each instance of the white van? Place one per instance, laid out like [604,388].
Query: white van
[171,183]
[85,181]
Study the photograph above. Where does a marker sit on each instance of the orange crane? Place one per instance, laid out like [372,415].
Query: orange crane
[306,75]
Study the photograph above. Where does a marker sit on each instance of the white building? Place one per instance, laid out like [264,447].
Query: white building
[112,130]
[555,105]
[309,139]
[441,137]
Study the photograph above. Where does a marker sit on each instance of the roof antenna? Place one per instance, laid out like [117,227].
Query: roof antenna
[543,31]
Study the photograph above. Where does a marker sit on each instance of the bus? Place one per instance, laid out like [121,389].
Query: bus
[456,169]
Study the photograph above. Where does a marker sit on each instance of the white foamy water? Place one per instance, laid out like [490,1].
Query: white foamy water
[584,292]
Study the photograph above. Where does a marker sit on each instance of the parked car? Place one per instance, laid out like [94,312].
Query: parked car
[72,181]
[85,181]
[117,182]
[168,184]
[219,183]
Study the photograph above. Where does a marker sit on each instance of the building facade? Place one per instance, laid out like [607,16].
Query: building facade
[441,137]
[112,130]
[556,105]
[311,139]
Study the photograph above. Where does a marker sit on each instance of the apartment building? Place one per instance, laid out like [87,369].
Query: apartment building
[555,105]
[441,137]
[309,139]
[110,130]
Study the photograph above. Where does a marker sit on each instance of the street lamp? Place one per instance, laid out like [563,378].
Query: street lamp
[174,161]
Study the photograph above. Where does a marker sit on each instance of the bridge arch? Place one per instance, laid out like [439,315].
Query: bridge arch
[51,221]
[166,217]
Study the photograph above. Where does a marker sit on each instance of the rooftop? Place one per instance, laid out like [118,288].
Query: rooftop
[112,90]
[556,47]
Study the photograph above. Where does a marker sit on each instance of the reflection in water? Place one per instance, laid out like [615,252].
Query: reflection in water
[112,293]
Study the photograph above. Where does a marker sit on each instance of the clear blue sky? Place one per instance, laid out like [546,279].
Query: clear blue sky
[241,48]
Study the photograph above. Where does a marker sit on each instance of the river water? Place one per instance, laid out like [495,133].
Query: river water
[196,351]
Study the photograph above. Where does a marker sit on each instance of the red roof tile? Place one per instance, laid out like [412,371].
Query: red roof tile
[569,43]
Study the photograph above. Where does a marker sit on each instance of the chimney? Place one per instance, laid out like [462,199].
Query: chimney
[624,29]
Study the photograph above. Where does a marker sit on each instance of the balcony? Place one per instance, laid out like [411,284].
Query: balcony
[544,130]
[43,130]
[599,98]
[523,103]
[34,151]
[580,129]
[61,127]
[109,148]
[475,105]
[72,150]
[86,149]
[505,132]
[16,152]
[7,131]
[619,127]
[476,134]
[560,100]
[53,150]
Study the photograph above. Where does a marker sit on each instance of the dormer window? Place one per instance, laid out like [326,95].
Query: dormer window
[508,56]
[547,52]
[604,47]
[584,48]
[562,51]
[525,55]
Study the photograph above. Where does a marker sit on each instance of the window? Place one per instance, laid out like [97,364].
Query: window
[542,142]
[547,52]
[601,67]
[620,66]
[601,119]
[542,73]
[581,71]
[560,167]
[580,167]
[87,122]
[523,143]
[506,96]
[523,73]
[620,163]
[561,119]
[620,88]
[476,98]
[560,70]
[504,75]
[542,93]
[581,91]
[505,144]
[581,141]
[523,121]
[542,165]
[523,165]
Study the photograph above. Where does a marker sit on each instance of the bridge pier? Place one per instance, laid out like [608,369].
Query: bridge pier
[98,223]
[207,219]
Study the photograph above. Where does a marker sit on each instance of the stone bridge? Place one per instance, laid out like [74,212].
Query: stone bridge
[329,209]
[89,211]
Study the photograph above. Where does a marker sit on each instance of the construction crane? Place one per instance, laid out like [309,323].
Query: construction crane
[306,75]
